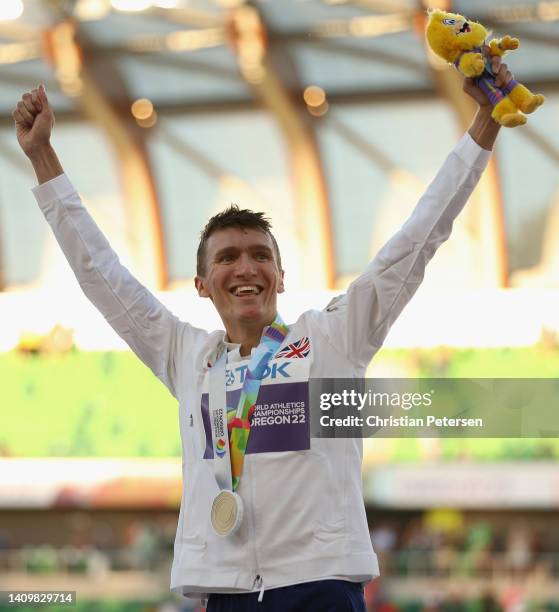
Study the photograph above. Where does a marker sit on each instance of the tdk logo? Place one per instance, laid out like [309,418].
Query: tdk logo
[273,371]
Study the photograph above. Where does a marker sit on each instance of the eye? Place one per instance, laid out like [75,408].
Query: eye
[263,256]
[449,21]
[225,258]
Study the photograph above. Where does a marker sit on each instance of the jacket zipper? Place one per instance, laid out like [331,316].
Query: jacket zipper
[258,580]
[259,584]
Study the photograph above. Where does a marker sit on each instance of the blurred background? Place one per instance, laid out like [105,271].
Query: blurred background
[331,116]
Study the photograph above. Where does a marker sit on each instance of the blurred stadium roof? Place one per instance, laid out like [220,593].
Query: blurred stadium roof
[325,113]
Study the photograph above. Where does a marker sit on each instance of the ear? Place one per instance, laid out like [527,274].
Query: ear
[281,287]
[200,285]
[435,13]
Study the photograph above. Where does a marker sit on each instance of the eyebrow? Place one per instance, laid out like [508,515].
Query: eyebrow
[234,249]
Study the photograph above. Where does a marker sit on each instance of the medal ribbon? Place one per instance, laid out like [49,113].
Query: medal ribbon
[232,439]
[239,428]
[218,423]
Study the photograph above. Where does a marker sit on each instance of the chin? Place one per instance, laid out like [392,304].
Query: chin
[250,313]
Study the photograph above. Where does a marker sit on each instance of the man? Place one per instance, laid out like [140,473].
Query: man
[270,520]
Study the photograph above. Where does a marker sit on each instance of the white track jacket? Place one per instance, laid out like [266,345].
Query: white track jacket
[304,517]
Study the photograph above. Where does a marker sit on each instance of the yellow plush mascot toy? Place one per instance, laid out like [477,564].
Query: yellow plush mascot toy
[462,43]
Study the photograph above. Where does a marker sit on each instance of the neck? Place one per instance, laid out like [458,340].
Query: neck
[247,336]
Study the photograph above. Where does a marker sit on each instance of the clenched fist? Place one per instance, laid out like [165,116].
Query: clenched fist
[503,77]
[34,121]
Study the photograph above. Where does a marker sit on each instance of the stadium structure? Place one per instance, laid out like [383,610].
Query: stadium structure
[332,117]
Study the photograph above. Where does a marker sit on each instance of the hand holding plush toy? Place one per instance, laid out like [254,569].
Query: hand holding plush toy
[462,43]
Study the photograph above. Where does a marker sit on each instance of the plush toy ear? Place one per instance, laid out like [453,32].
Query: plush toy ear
[434,12]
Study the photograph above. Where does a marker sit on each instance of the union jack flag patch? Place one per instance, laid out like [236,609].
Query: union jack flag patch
[297,350]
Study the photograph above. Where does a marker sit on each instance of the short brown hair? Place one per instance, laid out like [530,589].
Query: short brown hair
[233,217]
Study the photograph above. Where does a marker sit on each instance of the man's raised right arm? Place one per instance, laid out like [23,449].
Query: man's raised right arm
[34,121]
[145,324]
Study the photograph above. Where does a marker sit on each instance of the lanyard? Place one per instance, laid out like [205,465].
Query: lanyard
[229,447]
[218,423]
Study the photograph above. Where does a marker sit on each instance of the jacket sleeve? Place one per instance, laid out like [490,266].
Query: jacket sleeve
[357,322]
[142,321]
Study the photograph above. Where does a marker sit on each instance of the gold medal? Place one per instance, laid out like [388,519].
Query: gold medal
[227,512]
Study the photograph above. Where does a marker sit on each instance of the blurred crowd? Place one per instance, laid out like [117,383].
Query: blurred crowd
[480,565]
[95,545]
[424,559]
[480,548]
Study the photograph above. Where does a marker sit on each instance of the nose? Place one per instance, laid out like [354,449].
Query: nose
[245,266]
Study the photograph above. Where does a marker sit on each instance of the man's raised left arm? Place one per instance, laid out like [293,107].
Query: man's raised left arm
[359,321]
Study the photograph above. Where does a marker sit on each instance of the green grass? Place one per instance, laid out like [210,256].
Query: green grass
[110,405]
[533,362]
[84,404]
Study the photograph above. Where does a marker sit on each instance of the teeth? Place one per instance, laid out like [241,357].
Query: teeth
[246,289]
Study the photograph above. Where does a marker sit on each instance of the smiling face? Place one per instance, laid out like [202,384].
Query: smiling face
[449,34]
[242,278]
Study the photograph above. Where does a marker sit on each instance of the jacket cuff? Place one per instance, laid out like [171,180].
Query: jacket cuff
[56,189]
[471,153]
